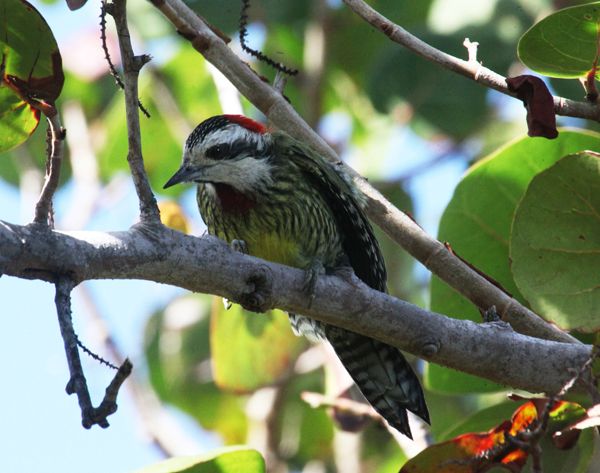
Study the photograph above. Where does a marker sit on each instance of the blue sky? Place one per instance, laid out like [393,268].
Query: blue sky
[41,424]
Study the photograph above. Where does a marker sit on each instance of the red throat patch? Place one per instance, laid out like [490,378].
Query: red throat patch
[232,200]
[247,123]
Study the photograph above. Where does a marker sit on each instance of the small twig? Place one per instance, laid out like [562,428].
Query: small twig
[469,69]
[43,208]
[584,374]
[132,65]
[487,277]
[77,383]
[94,356]
[529,439]
[104,9]
[471,49]
[108,405]
[589,83]
[49,147]
[279,82]
[316,400]
[257,54]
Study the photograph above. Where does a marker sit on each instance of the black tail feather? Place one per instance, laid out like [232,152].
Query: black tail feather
[383,375]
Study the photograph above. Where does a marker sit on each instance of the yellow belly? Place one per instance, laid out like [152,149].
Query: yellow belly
[273,248]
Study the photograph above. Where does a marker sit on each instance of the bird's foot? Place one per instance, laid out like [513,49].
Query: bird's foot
[240,246]
[313,271]
[491,317]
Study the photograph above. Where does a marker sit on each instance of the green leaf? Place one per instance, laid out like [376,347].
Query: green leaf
[564,44]
[250,351]
[17,120]
[456,107]
[438,378]
[555,243]
[236,459]
[178,356]
[457,111]
[33,70]
[400,265]
[477,224]
[581,455]
[574,460]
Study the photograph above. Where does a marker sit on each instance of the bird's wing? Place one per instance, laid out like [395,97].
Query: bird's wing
[380,371]
[359,242]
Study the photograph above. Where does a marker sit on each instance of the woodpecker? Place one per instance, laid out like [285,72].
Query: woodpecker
[272,197]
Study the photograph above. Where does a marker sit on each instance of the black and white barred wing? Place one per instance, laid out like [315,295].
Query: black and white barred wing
[358,239]
[380,371]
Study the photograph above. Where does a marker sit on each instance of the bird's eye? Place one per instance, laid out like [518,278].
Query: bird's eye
[215,152]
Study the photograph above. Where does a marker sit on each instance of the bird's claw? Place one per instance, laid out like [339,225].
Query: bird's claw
[313,271]
[227,303]
[491,315]
[240,246]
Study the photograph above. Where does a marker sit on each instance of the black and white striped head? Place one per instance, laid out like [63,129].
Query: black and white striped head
[227,149]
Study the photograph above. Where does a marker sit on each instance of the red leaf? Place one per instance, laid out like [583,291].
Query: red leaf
[467,453]
[477,452]
[541,120]
[566,440]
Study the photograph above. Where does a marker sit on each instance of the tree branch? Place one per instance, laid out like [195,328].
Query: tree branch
[131,69]
[77,383]
[209,265]
[43,208]
[401,229]
[470,69]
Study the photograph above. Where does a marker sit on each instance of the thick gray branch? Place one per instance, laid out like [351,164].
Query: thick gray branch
[492,351]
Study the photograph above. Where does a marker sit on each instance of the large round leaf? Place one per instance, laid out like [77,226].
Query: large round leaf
[477,224]
[564,44]
[178,356]
[248,350]
[33,70]
[555,243]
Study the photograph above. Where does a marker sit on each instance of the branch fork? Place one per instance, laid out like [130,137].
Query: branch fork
[77,383]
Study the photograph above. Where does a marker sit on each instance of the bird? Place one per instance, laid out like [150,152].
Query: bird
[271,196]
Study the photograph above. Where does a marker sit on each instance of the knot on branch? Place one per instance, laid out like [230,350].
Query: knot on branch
[140,61]
[258,293]
[97,415]
[387,29]
[429,347]
[199,41]
[492,318]
[150,227]
[76,384]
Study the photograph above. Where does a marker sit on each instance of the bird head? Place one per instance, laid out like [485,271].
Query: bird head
[226,149]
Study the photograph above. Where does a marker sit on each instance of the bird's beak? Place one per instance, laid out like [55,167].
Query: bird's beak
[184,174]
